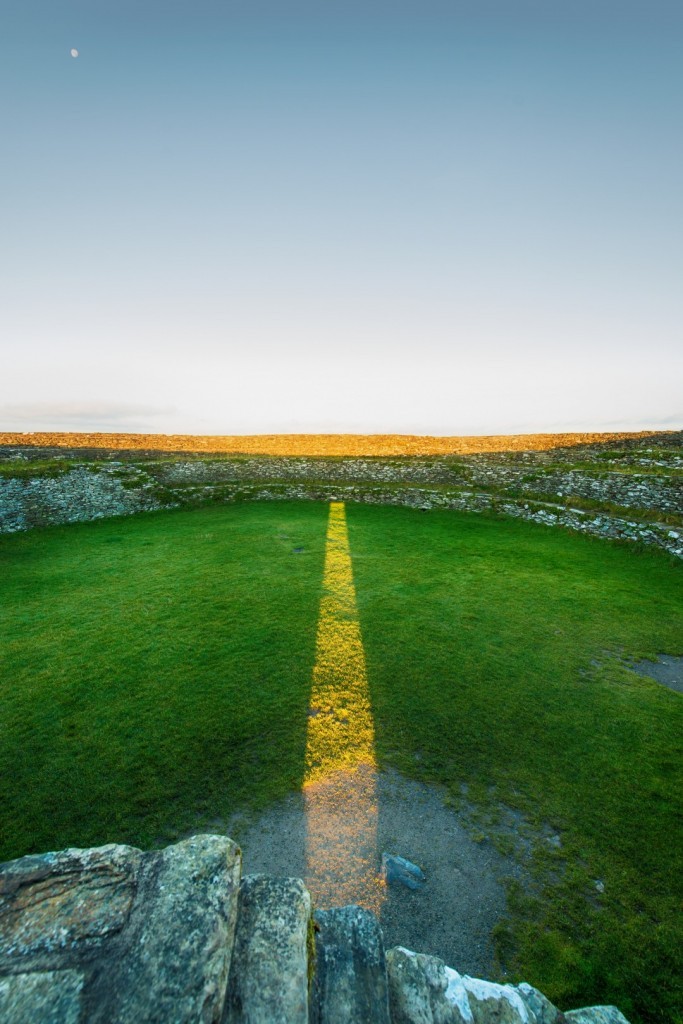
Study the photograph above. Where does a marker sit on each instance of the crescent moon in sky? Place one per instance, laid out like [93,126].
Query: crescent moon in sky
[74,53]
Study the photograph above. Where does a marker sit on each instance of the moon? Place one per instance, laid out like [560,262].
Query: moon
[74,52]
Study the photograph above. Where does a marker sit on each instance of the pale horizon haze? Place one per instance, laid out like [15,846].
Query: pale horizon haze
[412,217]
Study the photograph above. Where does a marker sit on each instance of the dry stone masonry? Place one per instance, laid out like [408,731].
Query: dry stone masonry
[630,491]
[176,936]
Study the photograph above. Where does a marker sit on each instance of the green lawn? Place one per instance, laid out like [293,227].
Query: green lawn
[155,673]
[480,637]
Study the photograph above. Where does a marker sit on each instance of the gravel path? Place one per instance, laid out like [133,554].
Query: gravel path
[451,916]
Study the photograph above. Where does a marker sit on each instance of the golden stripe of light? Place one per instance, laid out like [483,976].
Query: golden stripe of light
[340,787]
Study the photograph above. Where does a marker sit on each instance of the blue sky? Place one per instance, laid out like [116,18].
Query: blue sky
[411,217]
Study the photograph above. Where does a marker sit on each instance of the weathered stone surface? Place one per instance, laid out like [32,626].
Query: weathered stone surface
[496,1004]
[116,936]
[269,970]
[350,982]
[541,1007]
[76,496]
[66,901]
[46,997]
[176,959]
[596,1015]
[422,990]
[149,934]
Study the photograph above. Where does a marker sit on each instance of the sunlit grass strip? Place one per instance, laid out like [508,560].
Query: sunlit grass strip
[341,732]
[340,788]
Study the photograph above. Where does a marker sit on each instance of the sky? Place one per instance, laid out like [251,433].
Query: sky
[427,217]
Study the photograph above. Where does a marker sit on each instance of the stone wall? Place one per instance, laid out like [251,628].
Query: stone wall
[632,490]
[115,488]
[116,936]
[77,495]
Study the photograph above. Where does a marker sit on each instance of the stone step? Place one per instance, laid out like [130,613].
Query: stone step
[116,936]
[350,978]
[269,970]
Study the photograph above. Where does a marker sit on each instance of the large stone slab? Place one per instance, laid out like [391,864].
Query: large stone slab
[177,958]
[65,902]
[422,990]
[491,1003]
[269,970]
[350,981]
[150,934]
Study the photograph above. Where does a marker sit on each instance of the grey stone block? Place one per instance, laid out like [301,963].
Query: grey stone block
[55,905]
[151,934]
[176,960]
[540,1006]
[269,972]
[350,982]
[422,990]
[492,1003]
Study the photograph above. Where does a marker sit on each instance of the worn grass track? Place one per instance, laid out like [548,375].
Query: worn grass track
[156,672]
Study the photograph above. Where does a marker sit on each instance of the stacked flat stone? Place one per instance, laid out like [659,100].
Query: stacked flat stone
[116,936]
[114,488]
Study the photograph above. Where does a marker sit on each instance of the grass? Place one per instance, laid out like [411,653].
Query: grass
[34,468]
[479,641]
[155,673]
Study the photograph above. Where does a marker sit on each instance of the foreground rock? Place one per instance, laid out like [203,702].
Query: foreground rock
[43,996]
[350,981]
[126,936]
[596,1015]
[420,990]
[269,972]
[423,990]
[116,936]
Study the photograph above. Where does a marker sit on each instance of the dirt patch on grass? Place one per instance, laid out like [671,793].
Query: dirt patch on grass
[667,670]
[463,897]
